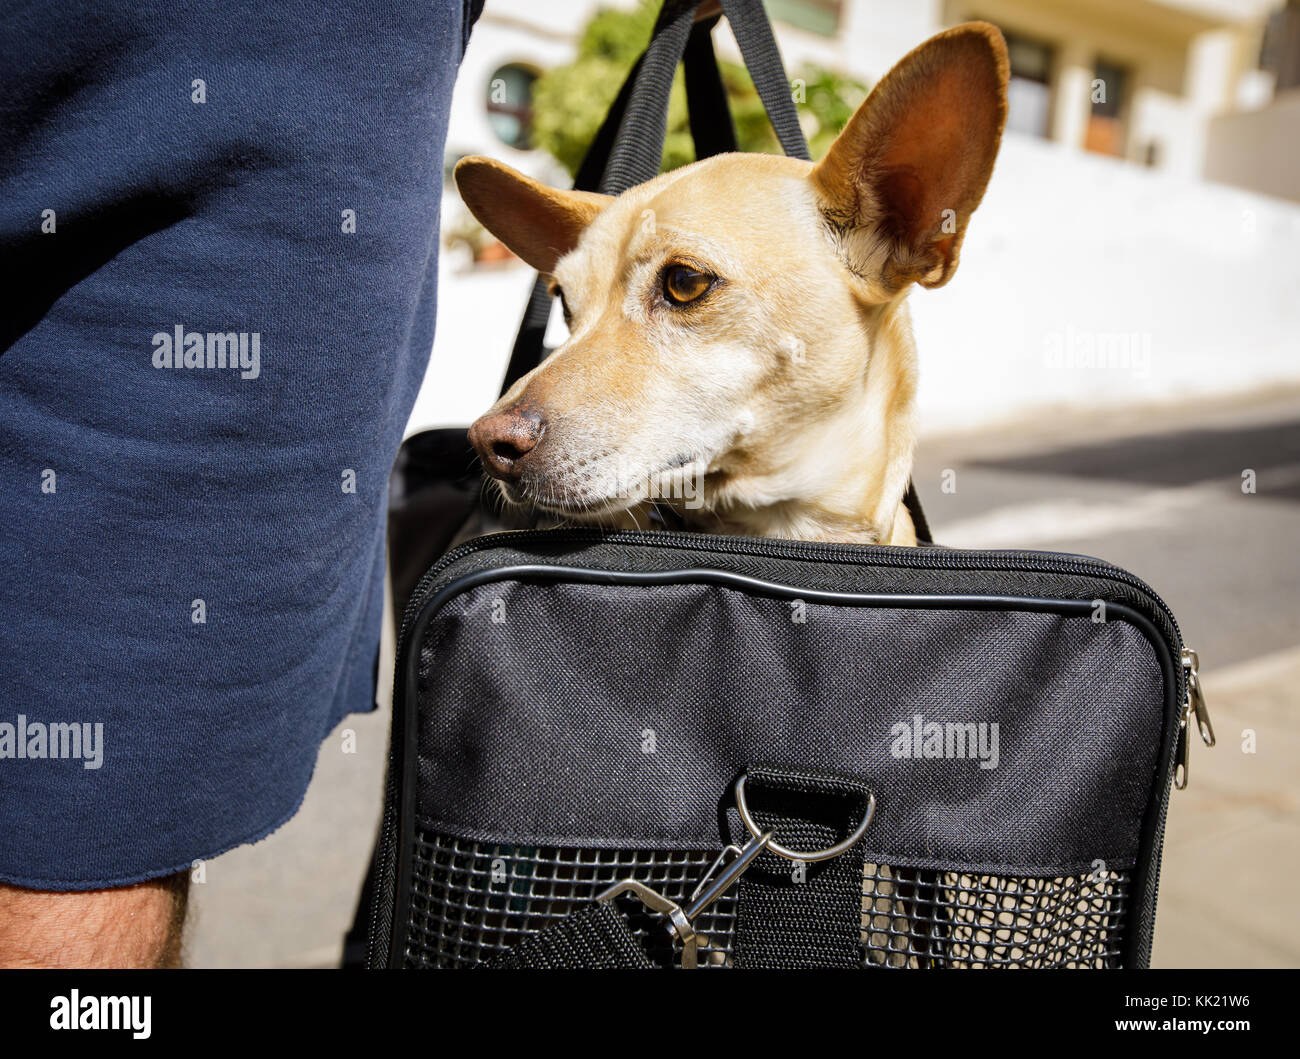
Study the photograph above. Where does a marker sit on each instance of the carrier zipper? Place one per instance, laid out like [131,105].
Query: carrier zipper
[1194,706]
[858,554]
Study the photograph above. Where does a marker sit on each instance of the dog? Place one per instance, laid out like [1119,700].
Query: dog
[740,357]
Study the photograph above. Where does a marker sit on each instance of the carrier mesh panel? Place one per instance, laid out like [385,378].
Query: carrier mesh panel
[470,901]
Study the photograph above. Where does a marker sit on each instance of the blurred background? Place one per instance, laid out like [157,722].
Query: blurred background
[1115,370]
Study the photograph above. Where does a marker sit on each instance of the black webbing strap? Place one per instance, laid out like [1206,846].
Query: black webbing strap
[912,501]
[639,145]
[595,938]
[753,32]
[792,916]
[638,148]
[712,130]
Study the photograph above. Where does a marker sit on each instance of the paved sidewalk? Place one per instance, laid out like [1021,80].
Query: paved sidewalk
[1232,848]
[287,901]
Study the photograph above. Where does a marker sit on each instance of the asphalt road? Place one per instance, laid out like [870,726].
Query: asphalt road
[1159,492]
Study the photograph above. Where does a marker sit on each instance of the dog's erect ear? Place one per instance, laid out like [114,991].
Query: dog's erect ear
[912,164]
[538,223]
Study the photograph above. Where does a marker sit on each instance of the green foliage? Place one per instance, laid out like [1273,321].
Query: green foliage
[570,101]
[829,101]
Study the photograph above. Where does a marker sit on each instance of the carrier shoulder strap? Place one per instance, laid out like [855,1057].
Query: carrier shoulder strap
[912,501]
[753,32]
[595,938]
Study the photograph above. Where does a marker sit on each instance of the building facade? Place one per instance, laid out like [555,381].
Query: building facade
[1201,88]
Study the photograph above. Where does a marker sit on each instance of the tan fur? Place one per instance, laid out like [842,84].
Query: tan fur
[789,389]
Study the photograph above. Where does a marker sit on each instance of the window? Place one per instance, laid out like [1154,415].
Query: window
[1106,127]
[1029,95]
[816,16]
[510,105]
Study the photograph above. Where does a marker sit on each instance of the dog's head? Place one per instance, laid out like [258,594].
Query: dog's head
[731,340]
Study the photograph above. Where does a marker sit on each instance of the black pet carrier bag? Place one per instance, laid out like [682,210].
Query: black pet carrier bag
[654,749]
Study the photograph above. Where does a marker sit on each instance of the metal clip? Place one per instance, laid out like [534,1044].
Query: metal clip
[681,921]
[729,866]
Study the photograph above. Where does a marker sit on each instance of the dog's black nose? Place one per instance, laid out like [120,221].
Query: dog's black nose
[504,438]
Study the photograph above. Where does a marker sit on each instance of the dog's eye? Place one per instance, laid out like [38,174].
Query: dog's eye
[683,284]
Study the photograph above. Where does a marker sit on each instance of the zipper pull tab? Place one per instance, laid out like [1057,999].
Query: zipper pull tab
[1196,696]
[1181,756]
[1193,706]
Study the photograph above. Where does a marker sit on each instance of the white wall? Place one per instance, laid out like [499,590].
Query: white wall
[1083,281]
[1259,149]
[874,35]
[1179,287]
[512,31]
